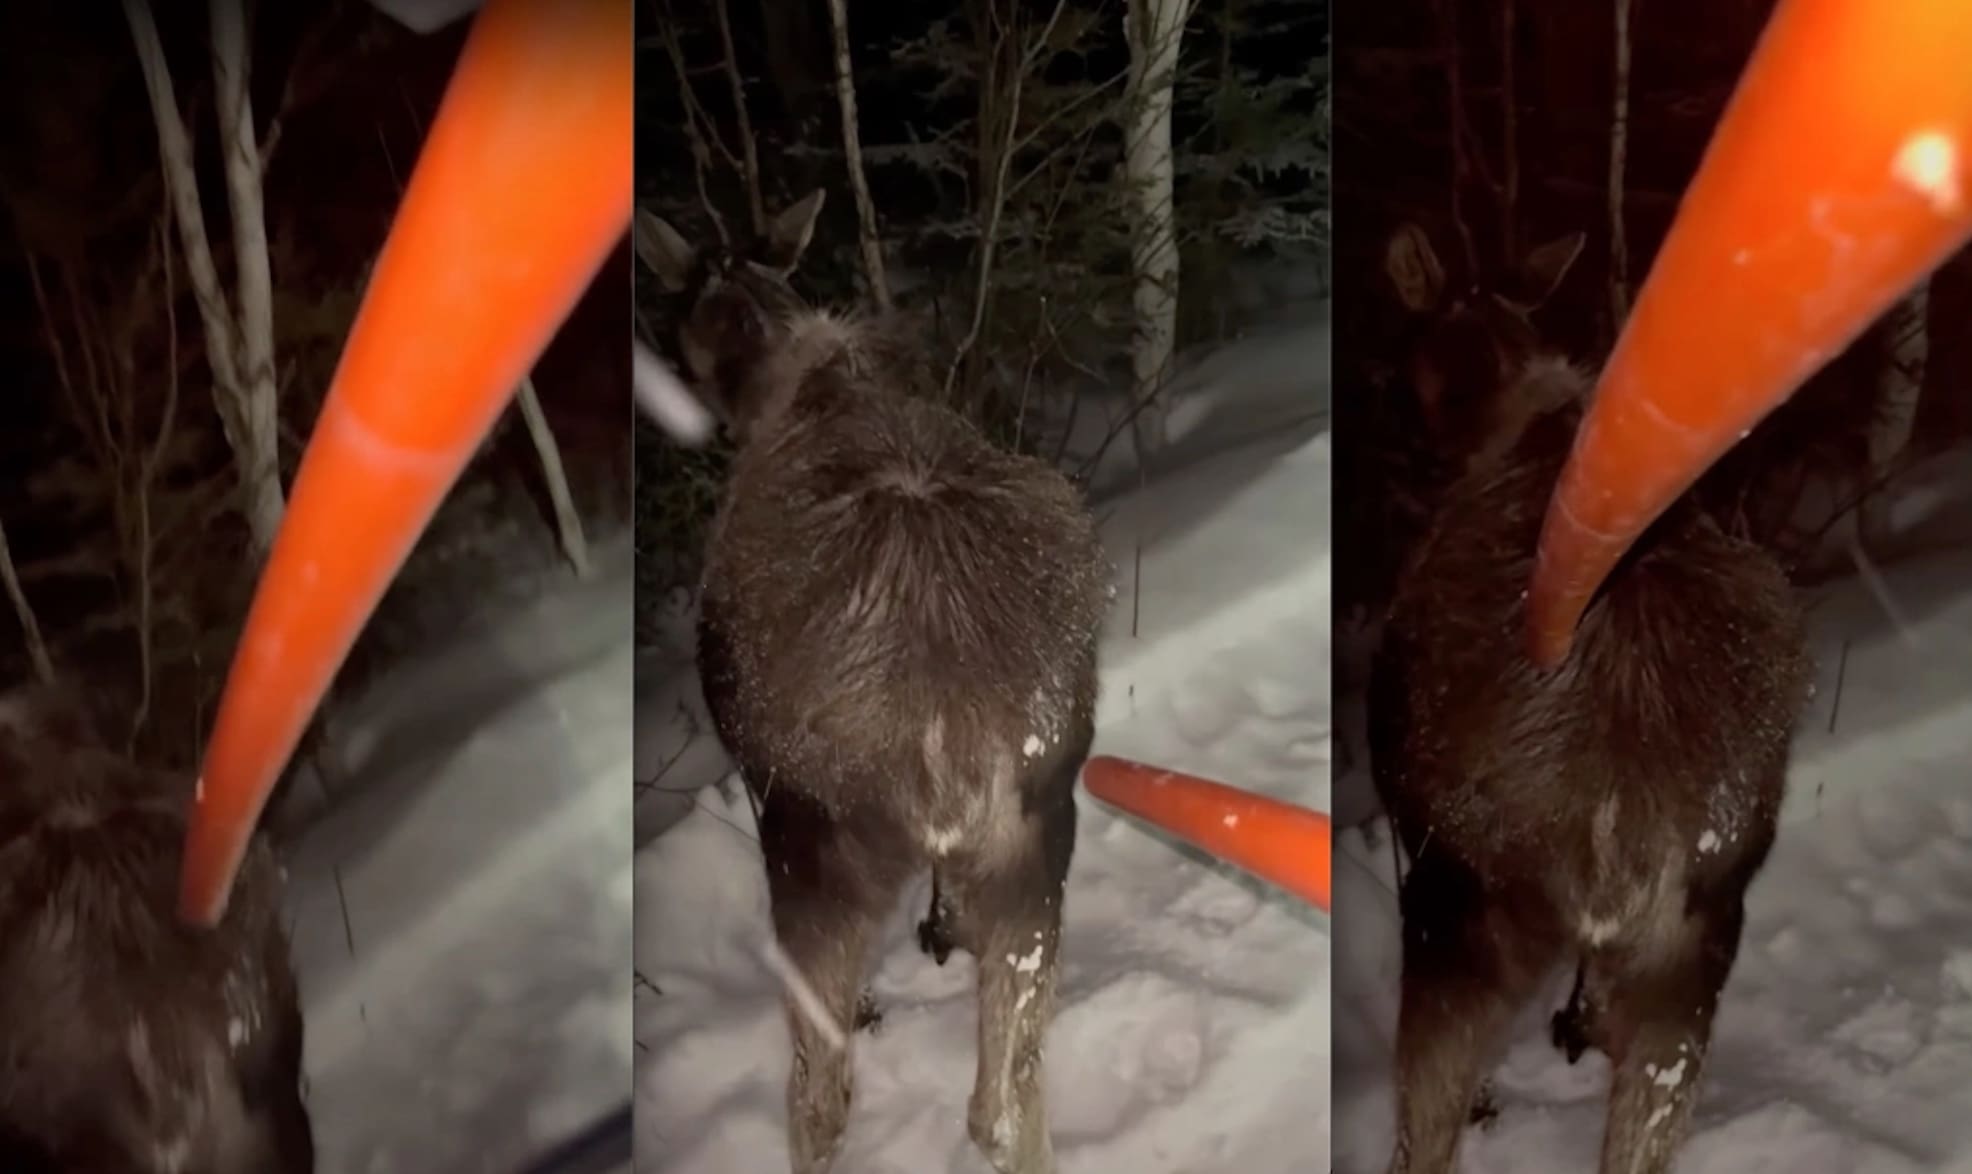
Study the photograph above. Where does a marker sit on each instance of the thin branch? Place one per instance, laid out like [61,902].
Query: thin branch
[696,124]
[64,375]
[990,231]
[1079,140]
[146,478]
[37,648]
[845,92]
[755,206]
[568,522]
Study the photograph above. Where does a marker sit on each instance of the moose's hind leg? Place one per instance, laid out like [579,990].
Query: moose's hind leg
[1467,967]
[832,882]
[1002,903]
[1657,1028]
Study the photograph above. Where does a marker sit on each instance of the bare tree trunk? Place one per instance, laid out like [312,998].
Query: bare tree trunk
[1619,146]
[249,424]
[1153,29]
[37,648]
[257,406]
[568,523]
[852,145]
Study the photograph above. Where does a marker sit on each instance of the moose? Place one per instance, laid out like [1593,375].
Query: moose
[897,642]
[1609,813]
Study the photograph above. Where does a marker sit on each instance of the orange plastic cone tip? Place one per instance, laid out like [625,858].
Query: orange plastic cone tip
[1837,178]
[522,190]
[1282,844]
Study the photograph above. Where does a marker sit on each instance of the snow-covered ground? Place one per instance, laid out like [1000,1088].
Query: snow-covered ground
[1193,1029]
[461,921]
[1844,1040]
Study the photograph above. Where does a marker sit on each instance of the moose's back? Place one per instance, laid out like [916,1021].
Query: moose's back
[909,582]
[129,1041]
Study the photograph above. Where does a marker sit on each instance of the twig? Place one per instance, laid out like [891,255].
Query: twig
[342,902]
[996,201]
[695,117]
[1894,471]
[37,648]
[751,158]
[664,768]
[1080,139]
[1873,580]
[147,477]
[568,522]
[1089,466]
[802,995]
[1841,676]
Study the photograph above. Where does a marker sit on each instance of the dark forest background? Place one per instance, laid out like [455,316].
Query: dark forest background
[950,98]
[131,539]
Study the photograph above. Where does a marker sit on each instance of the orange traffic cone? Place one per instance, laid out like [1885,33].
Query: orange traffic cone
[1838,178]
[521,192]
[1281,843]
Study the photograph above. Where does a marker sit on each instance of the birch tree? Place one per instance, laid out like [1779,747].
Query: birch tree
[239,329]
[1153,29]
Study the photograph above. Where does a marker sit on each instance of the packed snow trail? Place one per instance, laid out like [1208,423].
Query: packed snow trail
[460,923]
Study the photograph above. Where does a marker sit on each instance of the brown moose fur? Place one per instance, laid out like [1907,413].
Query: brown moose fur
[130,1043]
[1610,813]
[897,642]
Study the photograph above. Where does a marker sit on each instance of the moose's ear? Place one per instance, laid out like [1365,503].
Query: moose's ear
[1414,269]
[788,234]
[661,248]
[1542,269]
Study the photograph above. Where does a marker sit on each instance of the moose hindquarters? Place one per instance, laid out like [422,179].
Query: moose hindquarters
[1617,806]
[1468,965]
[128,1041]
[1657,1027]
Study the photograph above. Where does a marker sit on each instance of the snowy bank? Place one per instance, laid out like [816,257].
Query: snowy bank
[459,921]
